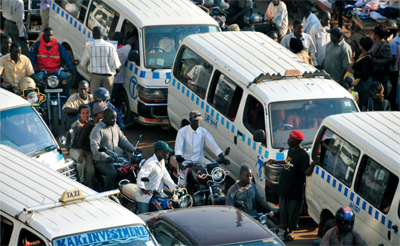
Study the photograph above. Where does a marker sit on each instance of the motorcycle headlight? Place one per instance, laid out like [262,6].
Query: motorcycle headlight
[185,201]
[218,174]
[52,81]
[33,98]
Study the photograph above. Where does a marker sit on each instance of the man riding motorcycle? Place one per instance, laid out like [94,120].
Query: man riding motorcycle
[189,144]
[47,54]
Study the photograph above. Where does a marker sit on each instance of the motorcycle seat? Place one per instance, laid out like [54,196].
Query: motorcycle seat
[129,190]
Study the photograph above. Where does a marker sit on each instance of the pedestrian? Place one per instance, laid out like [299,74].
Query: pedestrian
[276,17]
[296,46]
[273,35]
[376,100]
[394,45]
[123,52]
[44,14]
[343,233]
[6,42]
[290,188]
[103,61]
[320,37]
[77,99]
[309,19]
[348,84]
[397,68]
[13,12]
[339,53]
[298,33]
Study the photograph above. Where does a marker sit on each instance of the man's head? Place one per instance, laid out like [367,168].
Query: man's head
[110,117]
[15,51]
[304,10]
[162,150]
[245,175]
[297,27]
[84,112]
[98,109]
[101,95]
[83,89]
[118,36]
[97,33]
[276,2]
[379,33]
[273,35]
[48,34]
[6,42]
[376,90]
[344,219]
[326,18]
[296,45]
[195,119]
[336,34]
[295,138]
[366,43]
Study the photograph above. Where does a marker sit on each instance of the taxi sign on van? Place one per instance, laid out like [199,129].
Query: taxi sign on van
[72,195]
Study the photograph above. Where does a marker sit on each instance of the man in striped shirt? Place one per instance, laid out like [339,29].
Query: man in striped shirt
[103,61]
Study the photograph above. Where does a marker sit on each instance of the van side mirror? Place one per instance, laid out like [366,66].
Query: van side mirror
[259,136]
[227,151]
[133,56]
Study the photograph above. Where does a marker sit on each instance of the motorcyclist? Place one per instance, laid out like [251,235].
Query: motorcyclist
[107,134]
[189,144]
[47,54]
[343,233]
[6,42]
[154,169]
[239,12]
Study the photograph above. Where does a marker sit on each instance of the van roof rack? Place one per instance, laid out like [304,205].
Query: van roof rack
[317,73]
[290,73]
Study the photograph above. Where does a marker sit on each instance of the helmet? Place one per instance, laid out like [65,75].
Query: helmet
[26,83]
[345,219]
[101,93]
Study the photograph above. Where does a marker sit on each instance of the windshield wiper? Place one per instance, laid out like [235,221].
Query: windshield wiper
[161,67]
[46,149]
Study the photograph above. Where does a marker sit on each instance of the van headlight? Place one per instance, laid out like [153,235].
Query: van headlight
[33,97]
[152,95]
[52,81]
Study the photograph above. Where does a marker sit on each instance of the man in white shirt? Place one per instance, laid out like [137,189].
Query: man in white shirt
[276,17]
[190,142]
[153,169]
[298,33]
[394,46]
[321,37]
[13,12]
[103,62]
[309,19]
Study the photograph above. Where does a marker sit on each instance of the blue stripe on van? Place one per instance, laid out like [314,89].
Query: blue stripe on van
[183,89]
[212,112]
[352,196]
[76,23]
[370,210]
[192,97]
[217,116]
[207,109]
[131,66]
[266,154]
[54,6]
[202,104]
[383,219]
[346,191]
[364,205]
[317,170]
[340,188]
[66,16]
[197,100]
[187,92]
[227,125]
[233,129]
[71,20]
[142,74]
[62,13]
[244,137]
[80,27]
[358,201]
[280,156]
[389,224]
[377,215]
[334,183]
[323,174]
[173,81]
[248,141]
[254,145]
[260,150]
[58,10]
[179,85]
[156,75]
[84,30]
[328,179]
[222,120]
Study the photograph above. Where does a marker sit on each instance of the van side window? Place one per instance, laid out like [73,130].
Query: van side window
[225,95]
[338,157]
[376,184]
[130,31]
[76,8]
[28,238]
[6,228]
[254,115]
[194,72]
[100,14]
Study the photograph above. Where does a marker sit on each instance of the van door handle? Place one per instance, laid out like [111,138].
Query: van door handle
[239,133]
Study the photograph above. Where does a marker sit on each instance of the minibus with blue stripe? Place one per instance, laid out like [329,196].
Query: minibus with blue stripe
[252,92]
[358,165]
[157,27]
[40,206]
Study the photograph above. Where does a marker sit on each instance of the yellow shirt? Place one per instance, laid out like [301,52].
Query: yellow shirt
[74,101]
[12,72]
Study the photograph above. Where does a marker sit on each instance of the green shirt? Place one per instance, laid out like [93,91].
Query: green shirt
[339,57]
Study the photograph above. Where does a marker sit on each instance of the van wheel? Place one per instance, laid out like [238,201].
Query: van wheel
[328,225]
[122,104]
[76,77]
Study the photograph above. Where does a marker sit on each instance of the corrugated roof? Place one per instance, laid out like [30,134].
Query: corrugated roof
[25,183]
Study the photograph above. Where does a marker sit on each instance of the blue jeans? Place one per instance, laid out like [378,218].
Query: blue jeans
[142,207]
[61,77]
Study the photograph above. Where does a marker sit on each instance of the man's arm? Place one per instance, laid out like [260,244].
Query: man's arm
[386,54]
[144,172]
[32,55]
[117,62]
[167,179]
[211,144]
[180,141]
[85,56]
[65,59]
[68,107]
[230,197]
[30,72]
[19,12]
[95,139]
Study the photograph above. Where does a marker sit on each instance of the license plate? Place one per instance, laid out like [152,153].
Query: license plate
[53,90]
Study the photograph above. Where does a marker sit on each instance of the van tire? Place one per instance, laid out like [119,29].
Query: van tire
[122,104]
[329,224]
[76,77]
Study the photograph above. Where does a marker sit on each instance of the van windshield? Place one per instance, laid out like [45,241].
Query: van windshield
[131,235]
[161,43]
[22,129]
[304,115]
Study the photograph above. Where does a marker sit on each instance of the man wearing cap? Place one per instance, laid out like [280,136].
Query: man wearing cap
[108,134]
[290,188]
[153,169]
[339,53]
[190,142]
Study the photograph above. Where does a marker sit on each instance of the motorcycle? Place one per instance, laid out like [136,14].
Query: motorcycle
[203,180]
[219,16]
[263,218]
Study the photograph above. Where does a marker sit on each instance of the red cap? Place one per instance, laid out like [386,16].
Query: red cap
[296,134]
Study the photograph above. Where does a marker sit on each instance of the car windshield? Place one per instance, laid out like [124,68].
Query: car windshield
[161,43]
[22,129]
[264,242]
[124,236]
[305,115]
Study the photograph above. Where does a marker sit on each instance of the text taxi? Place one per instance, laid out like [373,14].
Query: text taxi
[42,207]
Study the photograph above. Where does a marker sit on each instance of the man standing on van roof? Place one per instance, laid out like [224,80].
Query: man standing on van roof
[103,61]
[339,53]
[290,188]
